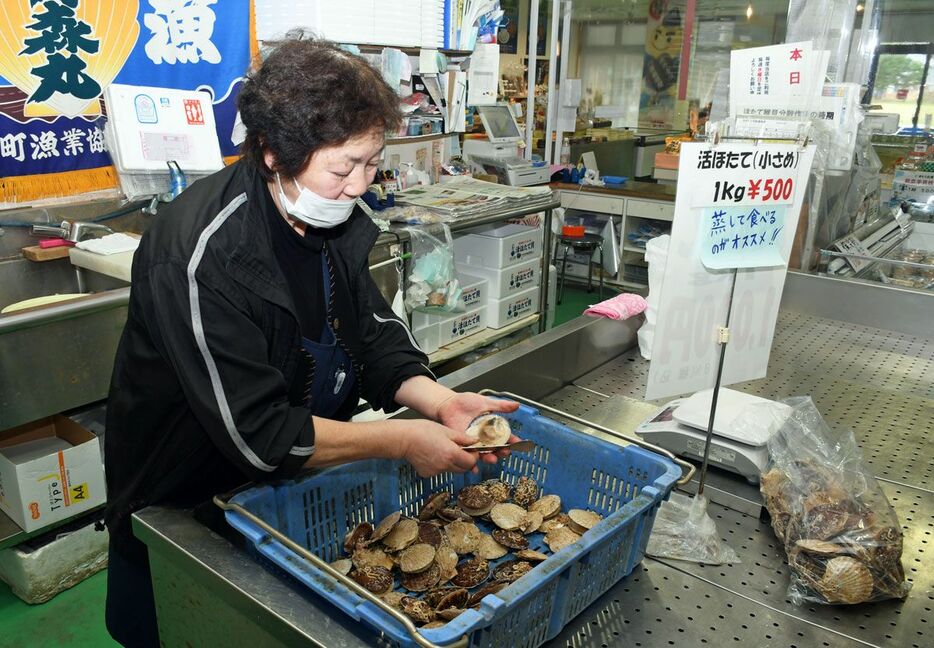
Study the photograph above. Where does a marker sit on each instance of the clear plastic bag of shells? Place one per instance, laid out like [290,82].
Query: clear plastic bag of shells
[842,537]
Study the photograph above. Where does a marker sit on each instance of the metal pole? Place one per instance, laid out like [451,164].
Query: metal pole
[552,107]
[563,77]
[716,392]
[530,81]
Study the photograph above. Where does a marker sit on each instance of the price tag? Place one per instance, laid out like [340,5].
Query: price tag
[849,244]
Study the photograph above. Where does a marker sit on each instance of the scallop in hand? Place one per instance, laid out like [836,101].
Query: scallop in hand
[488,430]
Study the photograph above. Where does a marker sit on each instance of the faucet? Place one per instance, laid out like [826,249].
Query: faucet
[73,231]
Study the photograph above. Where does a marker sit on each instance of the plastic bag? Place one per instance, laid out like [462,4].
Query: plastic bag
[841,535]
[656,253]
[684,531]
[433,285]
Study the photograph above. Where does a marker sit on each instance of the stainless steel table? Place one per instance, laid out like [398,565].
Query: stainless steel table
[878,383]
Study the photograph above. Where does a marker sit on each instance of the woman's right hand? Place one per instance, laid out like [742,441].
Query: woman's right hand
[432,448]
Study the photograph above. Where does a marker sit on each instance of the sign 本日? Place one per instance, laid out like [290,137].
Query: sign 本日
[745,200]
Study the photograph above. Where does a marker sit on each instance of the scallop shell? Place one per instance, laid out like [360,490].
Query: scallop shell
[446,559]
[471,573]
[533,521]
[417,558]
[489,429]
[434,596]
[417,610]
[392,599]
[404,533]
[450,614]
[845,580]
[819,547]
[370,557]
[530,555]
[434,504]
[511,539]
[512,570]
[558,521]
[489,548]
[384,527]
[422,580]
[429,534]
[560,538]
[452,514]
[456,598]
[548,505]
[489,588]
[474,500]
[499,490]
[464,537]
[358,537]
[342,566]
[437,623]
[376,579]
[525,492]
[582,521]
[508,516]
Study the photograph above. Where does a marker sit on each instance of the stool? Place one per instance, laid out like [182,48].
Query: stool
[588,243]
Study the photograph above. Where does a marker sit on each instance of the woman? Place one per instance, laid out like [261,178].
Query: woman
[254,325]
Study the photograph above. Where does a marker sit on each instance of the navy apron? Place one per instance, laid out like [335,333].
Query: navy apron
[332,375]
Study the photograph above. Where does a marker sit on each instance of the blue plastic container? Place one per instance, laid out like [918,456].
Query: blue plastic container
[626,485]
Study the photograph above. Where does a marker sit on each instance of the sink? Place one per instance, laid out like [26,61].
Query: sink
[58,356]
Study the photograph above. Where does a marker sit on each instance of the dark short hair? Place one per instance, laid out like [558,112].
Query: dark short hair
[307,95]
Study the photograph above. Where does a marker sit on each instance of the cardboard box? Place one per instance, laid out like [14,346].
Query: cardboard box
[503,312]
[50,470]
[499,247]
[508,281]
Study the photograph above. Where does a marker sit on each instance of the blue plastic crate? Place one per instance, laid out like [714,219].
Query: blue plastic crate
[626,485]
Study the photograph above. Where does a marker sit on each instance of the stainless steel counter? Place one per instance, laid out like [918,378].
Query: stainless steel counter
[879,383]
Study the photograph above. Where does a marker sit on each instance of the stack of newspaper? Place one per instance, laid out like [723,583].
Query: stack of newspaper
[466,197]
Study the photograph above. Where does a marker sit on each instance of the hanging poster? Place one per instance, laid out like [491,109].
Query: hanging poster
[57,57]
[662,60]
[739,210]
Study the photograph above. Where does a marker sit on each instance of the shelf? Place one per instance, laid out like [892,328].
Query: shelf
[417,138]
[412,51]
[477,340]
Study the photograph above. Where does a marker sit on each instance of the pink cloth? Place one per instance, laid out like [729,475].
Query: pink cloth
[618,308]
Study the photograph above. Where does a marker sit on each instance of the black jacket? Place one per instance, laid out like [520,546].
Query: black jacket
[208,379]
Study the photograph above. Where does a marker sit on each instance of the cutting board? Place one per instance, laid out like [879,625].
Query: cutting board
[36,253]
[113,265]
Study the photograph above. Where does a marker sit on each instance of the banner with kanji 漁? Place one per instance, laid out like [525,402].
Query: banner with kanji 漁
[57,56]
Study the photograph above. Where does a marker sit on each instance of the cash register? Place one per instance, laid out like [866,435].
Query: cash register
[498,154]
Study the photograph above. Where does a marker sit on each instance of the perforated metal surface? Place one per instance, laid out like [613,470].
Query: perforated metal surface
[877,383]
[658,605]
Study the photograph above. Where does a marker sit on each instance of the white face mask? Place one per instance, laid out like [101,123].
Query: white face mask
[312,209]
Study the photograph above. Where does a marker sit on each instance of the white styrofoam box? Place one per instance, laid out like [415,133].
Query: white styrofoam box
[473,294]
[503,312]
[463,325]
[499,247]
[508,281]
[428,336]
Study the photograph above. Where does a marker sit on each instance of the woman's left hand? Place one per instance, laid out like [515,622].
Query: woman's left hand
[457,413]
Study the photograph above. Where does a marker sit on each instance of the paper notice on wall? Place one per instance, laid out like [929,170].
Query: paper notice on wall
[483,75]
[695,298]
[786,77]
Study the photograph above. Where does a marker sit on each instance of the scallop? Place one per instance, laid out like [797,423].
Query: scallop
[508,517]
[384,527]
[404,533]
[417,610]
[392,599]
[358,537]
[819,547]
[376,579]
[475,500]
[511,539]
[446,559]
[845,580]
[433,505]
[464,537]
[417,558]
[548,505]
[471,573]
[489,429]
[512,570]
[558,521]
[450,613]
[582,521]
[429,534]
[530,555]
[533,521]
[432,625]
[421,581]
[499,490]
[560,538]
[369,557]
[342,566]
[489,588]
[525,492]
[489,548]
[456,598]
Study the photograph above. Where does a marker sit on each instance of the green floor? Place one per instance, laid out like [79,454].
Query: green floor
[75,618]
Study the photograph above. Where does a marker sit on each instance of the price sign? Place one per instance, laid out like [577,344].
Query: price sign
[695,295]
[849,244]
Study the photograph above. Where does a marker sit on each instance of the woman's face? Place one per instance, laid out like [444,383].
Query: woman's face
[340,172]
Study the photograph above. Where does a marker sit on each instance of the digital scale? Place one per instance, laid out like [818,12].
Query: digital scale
[498,154]
[681,427]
